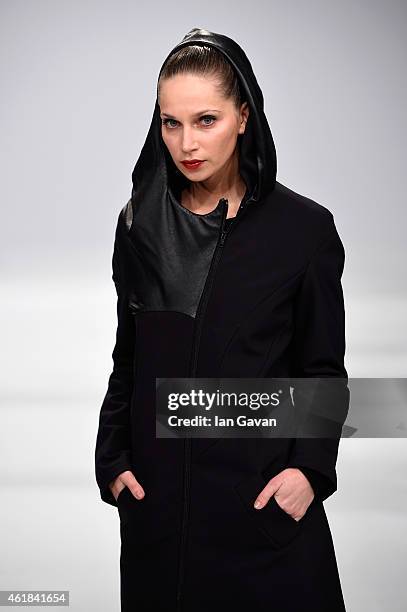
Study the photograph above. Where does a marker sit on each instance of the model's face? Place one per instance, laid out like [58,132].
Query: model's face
[198,123]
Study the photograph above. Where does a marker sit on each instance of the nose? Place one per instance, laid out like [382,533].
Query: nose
[188,142]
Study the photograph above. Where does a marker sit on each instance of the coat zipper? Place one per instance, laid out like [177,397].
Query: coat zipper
[193,368]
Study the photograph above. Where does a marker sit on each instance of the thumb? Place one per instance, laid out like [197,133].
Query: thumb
[133,484]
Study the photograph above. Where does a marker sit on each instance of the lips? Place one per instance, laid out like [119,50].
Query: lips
[191,165]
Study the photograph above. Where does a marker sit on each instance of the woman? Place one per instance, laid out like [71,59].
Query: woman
[220,271]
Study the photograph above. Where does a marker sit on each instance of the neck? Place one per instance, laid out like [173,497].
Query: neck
[227,183]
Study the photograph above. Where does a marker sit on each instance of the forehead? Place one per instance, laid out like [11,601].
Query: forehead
[189,94]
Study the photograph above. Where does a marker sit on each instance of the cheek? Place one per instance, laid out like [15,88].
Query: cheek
[169,143]
[224,144]
[164,138]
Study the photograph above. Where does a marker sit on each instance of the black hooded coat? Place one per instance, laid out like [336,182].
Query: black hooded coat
[257,296]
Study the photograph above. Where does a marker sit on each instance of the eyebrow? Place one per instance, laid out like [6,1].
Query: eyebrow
[208,110]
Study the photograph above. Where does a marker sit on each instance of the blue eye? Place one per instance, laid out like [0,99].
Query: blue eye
[167,121]
[208,117]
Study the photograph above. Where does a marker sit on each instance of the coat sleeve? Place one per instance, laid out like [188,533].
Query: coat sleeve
[113,443]
[318,351]
[318,481]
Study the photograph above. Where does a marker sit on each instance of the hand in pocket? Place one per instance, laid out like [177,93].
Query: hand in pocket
[126,479]
[291,490]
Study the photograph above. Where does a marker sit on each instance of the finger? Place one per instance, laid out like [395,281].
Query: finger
[134,486]
[119,478]
[265,494]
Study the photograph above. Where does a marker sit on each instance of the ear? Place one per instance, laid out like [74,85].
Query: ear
[244,115]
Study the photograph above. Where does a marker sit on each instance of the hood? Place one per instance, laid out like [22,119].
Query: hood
[169,248]
[155,171]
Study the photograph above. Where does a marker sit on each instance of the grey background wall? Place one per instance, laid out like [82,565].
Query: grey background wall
[78,90]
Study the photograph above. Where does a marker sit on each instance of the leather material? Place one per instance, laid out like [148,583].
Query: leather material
[173,250]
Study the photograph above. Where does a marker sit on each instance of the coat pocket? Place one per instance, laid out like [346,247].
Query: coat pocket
[275,523]
[128,506]
[121,494]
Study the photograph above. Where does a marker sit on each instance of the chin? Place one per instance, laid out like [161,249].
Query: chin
[193,176]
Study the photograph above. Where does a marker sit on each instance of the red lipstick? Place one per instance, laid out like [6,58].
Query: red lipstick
[192,164]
